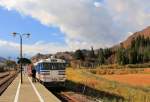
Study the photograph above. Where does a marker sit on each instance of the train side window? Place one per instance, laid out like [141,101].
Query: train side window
[45,66]
[56,66]
[62,66]
[52,66]
[49,66]
[40,67]
[59,65]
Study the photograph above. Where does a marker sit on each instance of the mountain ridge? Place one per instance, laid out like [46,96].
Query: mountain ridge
[145,32]
[2,59]
[126,44]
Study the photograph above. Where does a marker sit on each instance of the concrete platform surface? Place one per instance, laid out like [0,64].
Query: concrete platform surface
[27,92]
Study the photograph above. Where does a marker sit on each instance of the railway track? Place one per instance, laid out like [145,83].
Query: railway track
[66,95]
[60,93]
[6,79]
[68,98]
[2,75]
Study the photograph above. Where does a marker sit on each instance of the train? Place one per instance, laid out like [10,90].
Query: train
[51,71]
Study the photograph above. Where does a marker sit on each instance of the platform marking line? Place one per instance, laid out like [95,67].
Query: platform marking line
[17,93]
[37,93]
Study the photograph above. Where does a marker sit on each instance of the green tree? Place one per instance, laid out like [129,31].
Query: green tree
[92,54]
[101,58]
[24,61]
[78,55]
[139,51]
[133,56]
[146,54]
[107,52]
[122,57]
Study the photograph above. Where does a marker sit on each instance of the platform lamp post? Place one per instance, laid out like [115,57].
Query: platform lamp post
[21,36]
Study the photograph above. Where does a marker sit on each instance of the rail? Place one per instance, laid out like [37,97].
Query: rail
[6,81]
[2,75]
[68,97]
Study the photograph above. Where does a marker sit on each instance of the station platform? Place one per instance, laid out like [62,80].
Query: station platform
[27,92]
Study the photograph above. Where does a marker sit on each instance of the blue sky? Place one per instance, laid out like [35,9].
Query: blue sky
[14,22]
[68,25]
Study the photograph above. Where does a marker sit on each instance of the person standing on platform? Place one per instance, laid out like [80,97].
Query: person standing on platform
[33,75]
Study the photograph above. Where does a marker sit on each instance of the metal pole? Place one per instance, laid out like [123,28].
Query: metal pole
[21,57]
[21,35]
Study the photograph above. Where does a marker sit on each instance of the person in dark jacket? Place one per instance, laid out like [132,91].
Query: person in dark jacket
[33,75]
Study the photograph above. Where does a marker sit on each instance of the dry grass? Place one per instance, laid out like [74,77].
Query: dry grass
[142,80]
[147,70]
[122,71]
[136,77]
[131,93]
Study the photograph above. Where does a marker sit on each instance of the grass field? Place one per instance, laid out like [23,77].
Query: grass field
[147,70]
[142,80]
[122,85]
[135,77]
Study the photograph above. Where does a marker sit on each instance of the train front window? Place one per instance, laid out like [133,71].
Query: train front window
[57,66]
[60,66]
[53,66]
[46,66]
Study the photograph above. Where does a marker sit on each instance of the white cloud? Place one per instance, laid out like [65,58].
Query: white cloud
[86,22]
[97,4]
[79,20]
[12,49]
[130,15]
